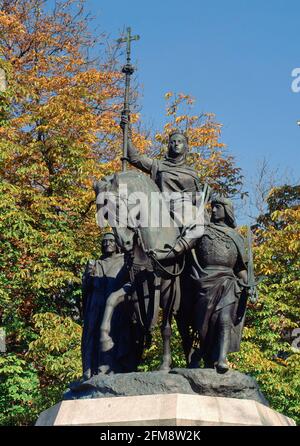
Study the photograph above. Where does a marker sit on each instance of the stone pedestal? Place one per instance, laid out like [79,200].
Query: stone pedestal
[206,382]
[183,397]
[162,410]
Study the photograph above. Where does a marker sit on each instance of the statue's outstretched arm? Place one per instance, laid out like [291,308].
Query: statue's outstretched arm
[182,246]
[138,160]
[134,157]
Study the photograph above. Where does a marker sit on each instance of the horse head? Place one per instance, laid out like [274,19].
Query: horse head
[137,213]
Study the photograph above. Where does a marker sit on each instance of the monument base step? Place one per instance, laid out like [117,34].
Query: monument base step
[162,410]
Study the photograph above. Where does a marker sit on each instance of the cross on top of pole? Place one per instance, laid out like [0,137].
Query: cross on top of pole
[128,39]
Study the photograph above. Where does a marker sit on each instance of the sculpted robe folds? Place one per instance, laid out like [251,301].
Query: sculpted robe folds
[101,278]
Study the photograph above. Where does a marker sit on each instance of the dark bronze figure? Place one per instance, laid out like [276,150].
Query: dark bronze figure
[153,285]
[218,271]
[101,278]
[195,270]
[172,175]
[221,279]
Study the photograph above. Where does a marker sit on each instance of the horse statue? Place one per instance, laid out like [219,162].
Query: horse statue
[141,221]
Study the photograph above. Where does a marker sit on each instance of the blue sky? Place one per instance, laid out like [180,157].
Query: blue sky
[235,57]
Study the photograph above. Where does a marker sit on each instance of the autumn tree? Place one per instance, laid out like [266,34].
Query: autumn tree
[58,133]
[59,127]
[267,351]
[59,130]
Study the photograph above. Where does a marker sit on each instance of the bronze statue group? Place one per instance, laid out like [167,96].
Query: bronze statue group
[197,274]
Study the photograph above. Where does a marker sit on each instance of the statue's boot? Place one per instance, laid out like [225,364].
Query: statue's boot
[86,375]
[106,365]
[105,369]
[224,341]
[222,366]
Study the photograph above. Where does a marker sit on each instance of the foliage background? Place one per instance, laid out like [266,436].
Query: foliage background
[59,130]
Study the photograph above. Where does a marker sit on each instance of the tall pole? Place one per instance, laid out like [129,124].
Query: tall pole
[128,70]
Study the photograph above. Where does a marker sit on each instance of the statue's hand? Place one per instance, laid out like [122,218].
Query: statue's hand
[253,295]
[166,253]
[243,284]
[125,119]
[151,253]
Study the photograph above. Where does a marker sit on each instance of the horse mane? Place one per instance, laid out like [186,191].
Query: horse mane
[136,181]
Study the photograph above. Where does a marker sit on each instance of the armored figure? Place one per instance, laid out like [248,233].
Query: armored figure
[216,280]
[220,275]
[221,281]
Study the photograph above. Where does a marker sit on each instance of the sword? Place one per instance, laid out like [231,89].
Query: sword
[252,285]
